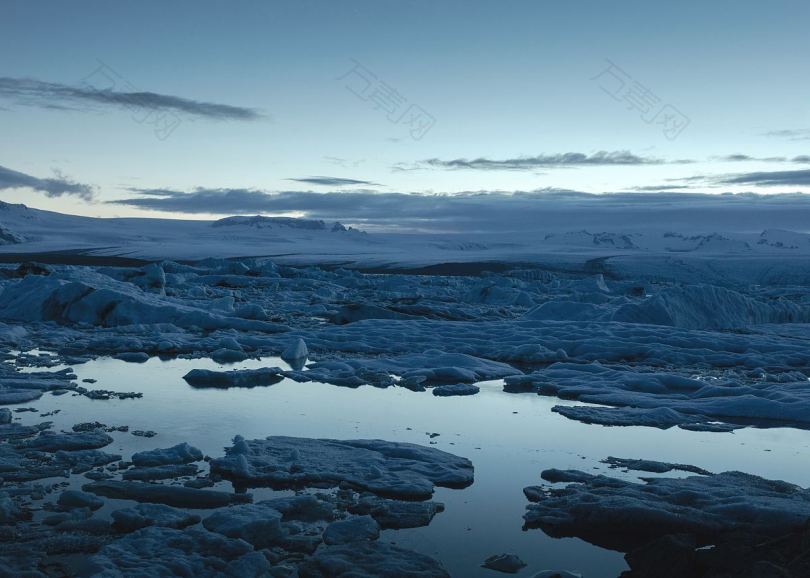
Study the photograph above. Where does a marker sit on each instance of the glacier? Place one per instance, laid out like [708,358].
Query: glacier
[677,335]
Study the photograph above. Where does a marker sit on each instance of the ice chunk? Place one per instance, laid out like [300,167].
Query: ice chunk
[83,460]
[35,298]
[357,312]
[228,356]
[13,431]
[251,311]
[568,311]
[455,390]
[660,417]
[154,277]
[49,441]
[710,307]
[296,350]
[11,396]
[160,472]
[381,467]
[431,366]
[354,529]
[258,524]
[132,356]
[9,511]
[155,552]
[506,563]
[621,514]
[375,558]
[653,466]
[302,507]
[178,496]
[235,378]
[72,499]
[659,399]
[182,453]
[397,513]
[142,515]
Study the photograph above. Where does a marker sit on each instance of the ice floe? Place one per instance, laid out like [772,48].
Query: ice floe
[177,496]
[396,513]
[659,399]
[353,529]
[182,453]
[142,515]
[371,559]
[234,378]
[456,389]
[154,552]
[624,514]
[36,298]
[385,468]
[507,563]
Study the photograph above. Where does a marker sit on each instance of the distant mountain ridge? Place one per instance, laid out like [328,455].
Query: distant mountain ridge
[305,240]
[262,222]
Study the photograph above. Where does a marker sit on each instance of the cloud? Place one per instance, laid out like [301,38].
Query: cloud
[55,187]
[799,177]
[334,181]
[153,192]
[496,211]
[657,188]
[600,158]
[30,92]
[734,158]
[199,200]
[572,159]
[739,158]
[791,133]
[345,163]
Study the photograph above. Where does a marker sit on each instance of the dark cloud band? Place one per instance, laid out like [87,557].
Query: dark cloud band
[61,96]
[334,181]
[55,187]
[488,211]
[800,178]
[571,159]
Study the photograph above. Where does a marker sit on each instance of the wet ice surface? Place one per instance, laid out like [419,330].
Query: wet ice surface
[510,439]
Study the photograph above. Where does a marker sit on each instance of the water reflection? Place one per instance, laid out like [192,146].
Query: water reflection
[509,437]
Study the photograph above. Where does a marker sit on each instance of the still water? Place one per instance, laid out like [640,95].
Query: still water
[510,439]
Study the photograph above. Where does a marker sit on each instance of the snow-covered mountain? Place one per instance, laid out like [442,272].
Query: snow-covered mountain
[33,231]
[27,230]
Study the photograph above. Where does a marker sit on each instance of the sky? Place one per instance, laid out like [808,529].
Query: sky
[199,109]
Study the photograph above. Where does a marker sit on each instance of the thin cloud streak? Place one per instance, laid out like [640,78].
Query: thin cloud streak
[334,181]
[770,178]
[54,187]
[575,160]
[736,158]
[790,133]
[52,95]
[544,161]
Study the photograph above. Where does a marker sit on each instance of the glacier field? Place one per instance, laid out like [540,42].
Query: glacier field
[592,412]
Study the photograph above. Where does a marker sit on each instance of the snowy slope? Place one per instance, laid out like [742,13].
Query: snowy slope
[559,244]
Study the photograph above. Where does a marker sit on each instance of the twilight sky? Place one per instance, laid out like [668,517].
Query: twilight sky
[207,108]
